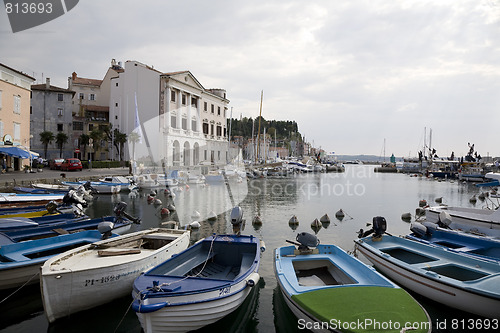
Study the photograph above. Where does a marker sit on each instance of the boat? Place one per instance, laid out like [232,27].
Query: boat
[456,241]
[146,181]
[20,262]
[472,220]
[100,272]
[22,229]
[215,177]
[471,172]
[463,282]
[37,210]
[99,187]
[53,188]
[326,288]
[198,286]
[124,182]
[9,198]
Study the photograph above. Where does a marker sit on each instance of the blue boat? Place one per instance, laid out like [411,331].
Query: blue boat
[327,289]
[464,282]
[199,285]
[456,241]
[20,262]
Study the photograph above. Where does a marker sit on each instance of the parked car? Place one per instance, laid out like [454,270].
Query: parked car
[71,164]
[56,163]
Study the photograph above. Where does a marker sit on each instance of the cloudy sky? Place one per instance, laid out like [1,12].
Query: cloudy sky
[351,73]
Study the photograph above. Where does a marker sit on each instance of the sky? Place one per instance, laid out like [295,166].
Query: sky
[352,74]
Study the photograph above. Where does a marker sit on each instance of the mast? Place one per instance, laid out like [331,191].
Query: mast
[260,117]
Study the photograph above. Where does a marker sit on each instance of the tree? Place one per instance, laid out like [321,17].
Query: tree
[61,139]
[46,137]
[84,141]
[120,141]
[96,137]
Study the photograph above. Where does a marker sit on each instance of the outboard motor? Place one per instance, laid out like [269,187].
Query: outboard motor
[88,187]
[379,228]
[106,229]
[444,220]
[51,207]
[307,240]
[418,229]
[119,211]
[72,198]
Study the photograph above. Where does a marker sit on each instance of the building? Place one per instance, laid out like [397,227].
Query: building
[15,90]
[176,121]
[90,110]
[51,111]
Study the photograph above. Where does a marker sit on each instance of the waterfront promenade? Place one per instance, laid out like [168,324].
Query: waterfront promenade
[20,178]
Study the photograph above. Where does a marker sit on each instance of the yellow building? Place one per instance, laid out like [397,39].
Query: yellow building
[15,90]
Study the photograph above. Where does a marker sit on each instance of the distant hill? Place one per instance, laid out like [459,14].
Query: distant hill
[364,158]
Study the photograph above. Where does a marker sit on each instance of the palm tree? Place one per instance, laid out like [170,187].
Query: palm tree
[46,137]
[84,141]
[133,137]
[96,137]
[61,139]
[120,140]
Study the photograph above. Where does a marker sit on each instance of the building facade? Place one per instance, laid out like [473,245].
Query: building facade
[15,90]
[176,121]
[51,110]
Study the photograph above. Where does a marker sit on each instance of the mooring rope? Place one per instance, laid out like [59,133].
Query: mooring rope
[15,291]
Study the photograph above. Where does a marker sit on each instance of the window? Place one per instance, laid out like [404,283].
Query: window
[205,153]
[77,126]
[17,132]
[92,97]
[60,97]
[212,108]
[0,99]
[60,112]
[205,129]
[212,129]
[194,102]
[116,104]
[184,123]
[1,129]
[91,127]
[183,99]
[218,110]
[172,96]
[17,104]
[81,96]
[116,84]
[59,127]
[205,106]
[193,125]
[219,131]
[173,121]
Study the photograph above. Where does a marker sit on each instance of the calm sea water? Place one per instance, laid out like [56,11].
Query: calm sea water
[359,192]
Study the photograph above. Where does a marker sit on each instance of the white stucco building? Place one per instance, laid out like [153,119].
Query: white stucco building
[182,123]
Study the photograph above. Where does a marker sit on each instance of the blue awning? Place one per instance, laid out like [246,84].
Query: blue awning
[18,152]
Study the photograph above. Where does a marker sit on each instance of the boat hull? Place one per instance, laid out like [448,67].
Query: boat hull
[474,220]
[81,279]
[435,286]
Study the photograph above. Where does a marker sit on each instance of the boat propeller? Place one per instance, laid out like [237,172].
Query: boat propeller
[379,227]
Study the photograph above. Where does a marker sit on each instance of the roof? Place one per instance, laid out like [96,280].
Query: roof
[19,72]
[43,87]
[87,82]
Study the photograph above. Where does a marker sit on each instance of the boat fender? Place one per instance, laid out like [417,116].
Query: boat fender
[418,229]
[262,246]
[164,211]
[253,279]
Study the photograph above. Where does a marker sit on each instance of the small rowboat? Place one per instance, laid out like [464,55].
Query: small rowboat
[327,289]
[97,273]
[198,286]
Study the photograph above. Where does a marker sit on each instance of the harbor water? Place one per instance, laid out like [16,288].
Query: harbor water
[360,192]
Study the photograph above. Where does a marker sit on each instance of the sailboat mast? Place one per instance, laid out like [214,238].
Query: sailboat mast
[260,117]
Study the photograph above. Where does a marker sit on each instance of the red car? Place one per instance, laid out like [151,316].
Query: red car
[56,164]
[71,164]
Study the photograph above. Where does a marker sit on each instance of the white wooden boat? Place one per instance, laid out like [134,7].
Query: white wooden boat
[30,198]
[146,181]
[198,286]
[323,284]
[463,282]
[473,220]
[95,274]
[54,188]
[124,182]
[99,187]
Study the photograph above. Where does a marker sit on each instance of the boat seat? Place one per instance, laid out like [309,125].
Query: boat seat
[247,261]
[186,266]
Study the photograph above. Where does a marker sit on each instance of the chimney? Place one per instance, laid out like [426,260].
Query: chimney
[73,75]
[47,83]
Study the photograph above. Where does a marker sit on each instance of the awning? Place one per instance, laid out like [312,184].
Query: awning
[18,152]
